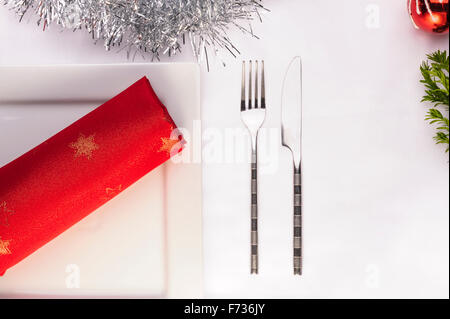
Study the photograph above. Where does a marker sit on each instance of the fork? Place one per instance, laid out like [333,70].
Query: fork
[253,113]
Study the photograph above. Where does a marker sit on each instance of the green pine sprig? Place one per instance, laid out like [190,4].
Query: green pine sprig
[435,73]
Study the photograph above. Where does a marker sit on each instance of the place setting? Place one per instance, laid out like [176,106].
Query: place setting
[92,200]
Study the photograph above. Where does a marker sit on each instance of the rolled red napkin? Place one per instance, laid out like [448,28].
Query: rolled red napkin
[50,188]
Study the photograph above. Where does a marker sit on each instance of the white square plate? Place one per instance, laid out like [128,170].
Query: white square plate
[146,242]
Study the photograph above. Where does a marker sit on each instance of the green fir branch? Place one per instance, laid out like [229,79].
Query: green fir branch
[435,73]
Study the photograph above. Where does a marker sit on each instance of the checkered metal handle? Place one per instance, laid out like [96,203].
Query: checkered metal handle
[297,221]
[254,215]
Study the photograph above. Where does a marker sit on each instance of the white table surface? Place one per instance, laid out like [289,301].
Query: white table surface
[376,205]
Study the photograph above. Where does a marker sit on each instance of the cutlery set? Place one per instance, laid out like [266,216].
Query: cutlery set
[253,113]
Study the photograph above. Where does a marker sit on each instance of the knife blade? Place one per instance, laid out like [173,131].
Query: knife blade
[291,137]
[291,110]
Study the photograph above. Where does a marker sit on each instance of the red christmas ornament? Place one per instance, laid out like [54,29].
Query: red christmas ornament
[429,15]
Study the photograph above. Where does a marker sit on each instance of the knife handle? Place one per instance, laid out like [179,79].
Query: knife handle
[254,215]
[297,221]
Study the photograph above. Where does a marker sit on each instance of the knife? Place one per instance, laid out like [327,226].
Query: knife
[291,137]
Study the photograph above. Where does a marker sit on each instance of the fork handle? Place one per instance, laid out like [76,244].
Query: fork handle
[297,221]
[254,214]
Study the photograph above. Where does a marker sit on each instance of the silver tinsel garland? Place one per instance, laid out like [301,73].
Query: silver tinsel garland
[148,26]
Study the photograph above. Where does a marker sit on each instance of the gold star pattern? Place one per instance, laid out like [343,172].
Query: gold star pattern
[168,144]
[111,192]
[4,247]
[5,213]
[84,146]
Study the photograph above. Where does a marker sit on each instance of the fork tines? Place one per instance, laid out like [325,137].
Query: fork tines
[256,84]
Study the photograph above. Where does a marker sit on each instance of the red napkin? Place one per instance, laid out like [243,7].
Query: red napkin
[61,181]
